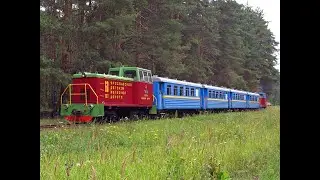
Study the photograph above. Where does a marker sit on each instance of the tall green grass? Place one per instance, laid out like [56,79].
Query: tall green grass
[237,145]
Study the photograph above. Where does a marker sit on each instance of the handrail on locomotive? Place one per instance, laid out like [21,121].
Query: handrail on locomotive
[85,92]
[154,100]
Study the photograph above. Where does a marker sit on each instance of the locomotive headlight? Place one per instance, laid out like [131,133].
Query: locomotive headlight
[66,106]
[91,106]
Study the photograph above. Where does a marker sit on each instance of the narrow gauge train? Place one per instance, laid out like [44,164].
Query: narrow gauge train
[133,92]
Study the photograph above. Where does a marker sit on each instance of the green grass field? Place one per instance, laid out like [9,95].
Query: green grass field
[55,121]
[236,145]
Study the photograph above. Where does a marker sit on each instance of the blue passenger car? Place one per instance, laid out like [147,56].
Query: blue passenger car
[215,97]
[238,99]
[253,100]
[171,94]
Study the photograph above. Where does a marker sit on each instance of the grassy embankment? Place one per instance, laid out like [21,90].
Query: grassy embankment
[240,145]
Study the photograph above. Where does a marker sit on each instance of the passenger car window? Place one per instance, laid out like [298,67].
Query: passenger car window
[181,90]
[192,91]
[175,90]
[168,89]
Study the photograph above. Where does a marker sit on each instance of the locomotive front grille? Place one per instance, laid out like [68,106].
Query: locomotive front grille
[76,112]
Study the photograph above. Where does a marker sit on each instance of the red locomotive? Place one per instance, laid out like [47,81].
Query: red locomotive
[123,92]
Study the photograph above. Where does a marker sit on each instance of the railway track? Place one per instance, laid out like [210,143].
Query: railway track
[55,126]
[59,126]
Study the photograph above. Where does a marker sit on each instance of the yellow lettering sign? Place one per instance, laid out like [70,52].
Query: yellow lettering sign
[106,86]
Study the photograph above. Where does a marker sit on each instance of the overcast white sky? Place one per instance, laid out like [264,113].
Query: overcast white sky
[271,9]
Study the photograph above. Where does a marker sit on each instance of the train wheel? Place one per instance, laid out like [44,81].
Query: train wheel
[98,120]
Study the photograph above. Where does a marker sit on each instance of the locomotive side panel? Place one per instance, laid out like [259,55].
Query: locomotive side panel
[116,92]
[143,94]
[110,92]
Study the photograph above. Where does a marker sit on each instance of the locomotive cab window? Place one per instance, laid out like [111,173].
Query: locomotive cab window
[130,74]
[145,76]
[115,73]
[141,74]
[149,77]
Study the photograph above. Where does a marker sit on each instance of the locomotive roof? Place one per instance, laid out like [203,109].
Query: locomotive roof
[175,81]
[128,67]
[97,75]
